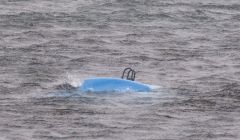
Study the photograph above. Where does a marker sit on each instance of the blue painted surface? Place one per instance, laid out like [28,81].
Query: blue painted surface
[112,85]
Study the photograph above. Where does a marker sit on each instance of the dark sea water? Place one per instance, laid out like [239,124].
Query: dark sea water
[189,49]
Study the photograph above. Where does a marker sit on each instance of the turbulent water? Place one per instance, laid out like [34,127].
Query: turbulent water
[188,48]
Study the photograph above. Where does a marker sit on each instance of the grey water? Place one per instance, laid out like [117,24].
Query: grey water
[189,49]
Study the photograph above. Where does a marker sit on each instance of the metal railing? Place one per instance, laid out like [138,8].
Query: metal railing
[130,74]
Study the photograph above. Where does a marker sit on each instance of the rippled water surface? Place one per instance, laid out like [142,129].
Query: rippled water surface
[188,48]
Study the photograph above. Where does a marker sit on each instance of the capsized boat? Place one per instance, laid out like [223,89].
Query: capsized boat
[105,84]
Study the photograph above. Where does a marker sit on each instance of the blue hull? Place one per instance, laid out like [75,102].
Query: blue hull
[112,85]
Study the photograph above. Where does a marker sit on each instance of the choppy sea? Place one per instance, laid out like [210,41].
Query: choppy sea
[189,49]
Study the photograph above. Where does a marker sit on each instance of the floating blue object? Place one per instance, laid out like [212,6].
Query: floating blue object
[113,85]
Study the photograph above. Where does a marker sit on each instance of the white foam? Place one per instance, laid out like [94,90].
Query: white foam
[73,80]
[154,87]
